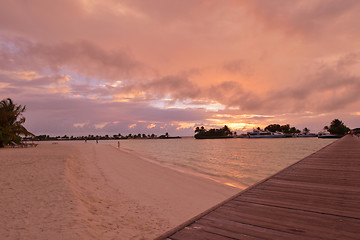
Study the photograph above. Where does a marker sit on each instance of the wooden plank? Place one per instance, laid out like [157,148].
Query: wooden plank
[222,228]
[283,219]
[190,233]
[329,165]
[301,187]
[336,206]
[245,229]
[321,176]
[307,185]
[315,198]
[320,180]
[323,205]
[333,191]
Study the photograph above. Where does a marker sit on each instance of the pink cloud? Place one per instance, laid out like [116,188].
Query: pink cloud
[120,62]
[81,57]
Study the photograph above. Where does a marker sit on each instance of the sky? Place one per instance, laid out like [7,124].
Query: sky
[109,66]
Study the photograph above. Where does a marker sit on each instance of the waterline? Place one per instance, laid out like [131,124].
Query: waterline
[235,162]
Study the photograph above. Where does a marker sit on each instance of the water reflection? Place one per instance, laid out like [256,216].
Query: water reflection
[235,162]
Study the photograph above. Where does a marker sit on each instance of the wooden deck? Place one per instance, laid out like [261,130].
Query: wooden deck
[315,198]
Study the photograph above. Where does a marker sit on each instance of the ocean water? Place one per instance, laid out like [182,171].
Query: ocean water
[236,162]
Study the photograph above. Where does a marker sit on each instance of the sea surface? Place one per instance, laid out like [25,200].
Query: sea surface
[236,162]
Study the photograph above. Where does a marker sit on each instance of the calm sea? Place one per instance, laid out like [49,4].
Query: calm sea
[237,162]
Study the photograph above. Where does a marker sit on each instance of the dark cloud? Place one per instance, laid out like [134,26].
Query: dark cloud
[348,60]
[232,94]
[82,57]
[178,87]
[330,88]
[237,66]
[303,17]
[225,91]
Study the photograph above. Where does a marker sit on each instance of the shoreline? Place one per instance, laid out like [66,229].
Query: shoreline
[183,169]
[240,179]
[101,192]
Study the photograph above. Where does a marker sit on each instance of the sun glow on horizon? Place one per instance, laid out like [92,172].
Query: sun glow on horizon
[172,71]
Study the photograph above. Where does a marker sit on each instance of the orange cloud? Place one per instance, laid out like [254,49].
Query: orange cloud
[203,62]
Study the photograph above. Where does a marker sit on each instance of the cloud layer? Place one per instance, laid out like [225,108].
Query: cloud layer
[131,66]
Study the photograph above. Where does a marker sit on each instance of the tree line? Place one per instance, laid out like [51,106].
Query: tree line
[102,137]
[337,127]
[224,132]
[12,120]
[282,128]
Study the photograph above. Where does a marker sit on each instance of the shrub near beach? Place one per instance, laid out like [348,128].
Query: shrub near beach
[11,122]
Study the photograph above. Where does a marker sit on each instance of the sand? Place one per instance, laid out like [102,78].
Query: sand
[83,190]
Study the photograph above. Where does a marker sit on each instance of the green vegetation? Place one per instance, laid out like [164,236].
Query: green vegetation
[202,133]
[11,122]
[306,130]
[337,127]
[283,128]
[105,137]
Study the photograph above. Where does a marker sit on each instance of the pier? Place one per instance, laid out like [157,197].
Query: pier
[318,197]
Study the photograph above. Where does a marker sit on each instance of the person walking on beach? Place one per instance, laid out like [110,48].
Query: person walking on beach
[118,144]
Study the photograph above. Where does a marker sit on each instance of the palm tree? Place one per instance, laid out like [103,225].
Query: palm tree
[11,122]
[306,130]
[200,130]
[226,130]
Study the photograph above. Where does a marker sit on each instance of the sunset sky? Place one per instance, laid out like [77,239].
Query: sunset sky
[109,66]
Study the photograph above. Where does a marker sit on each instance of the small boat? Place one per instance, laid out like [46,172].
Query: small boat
[307,135]
[242,136]
[328,135]
[264,134]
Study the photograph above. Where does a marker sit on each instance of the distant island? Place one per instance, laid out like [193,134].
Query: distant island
[104,137]
[336,129]
[202,133]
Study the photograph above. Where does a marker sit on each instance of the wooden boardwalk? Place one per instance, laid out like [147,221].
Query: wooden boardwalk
[315,198]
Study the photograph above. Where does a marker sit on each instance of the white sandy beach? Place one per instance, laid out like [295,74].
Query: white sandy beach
[93,191]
